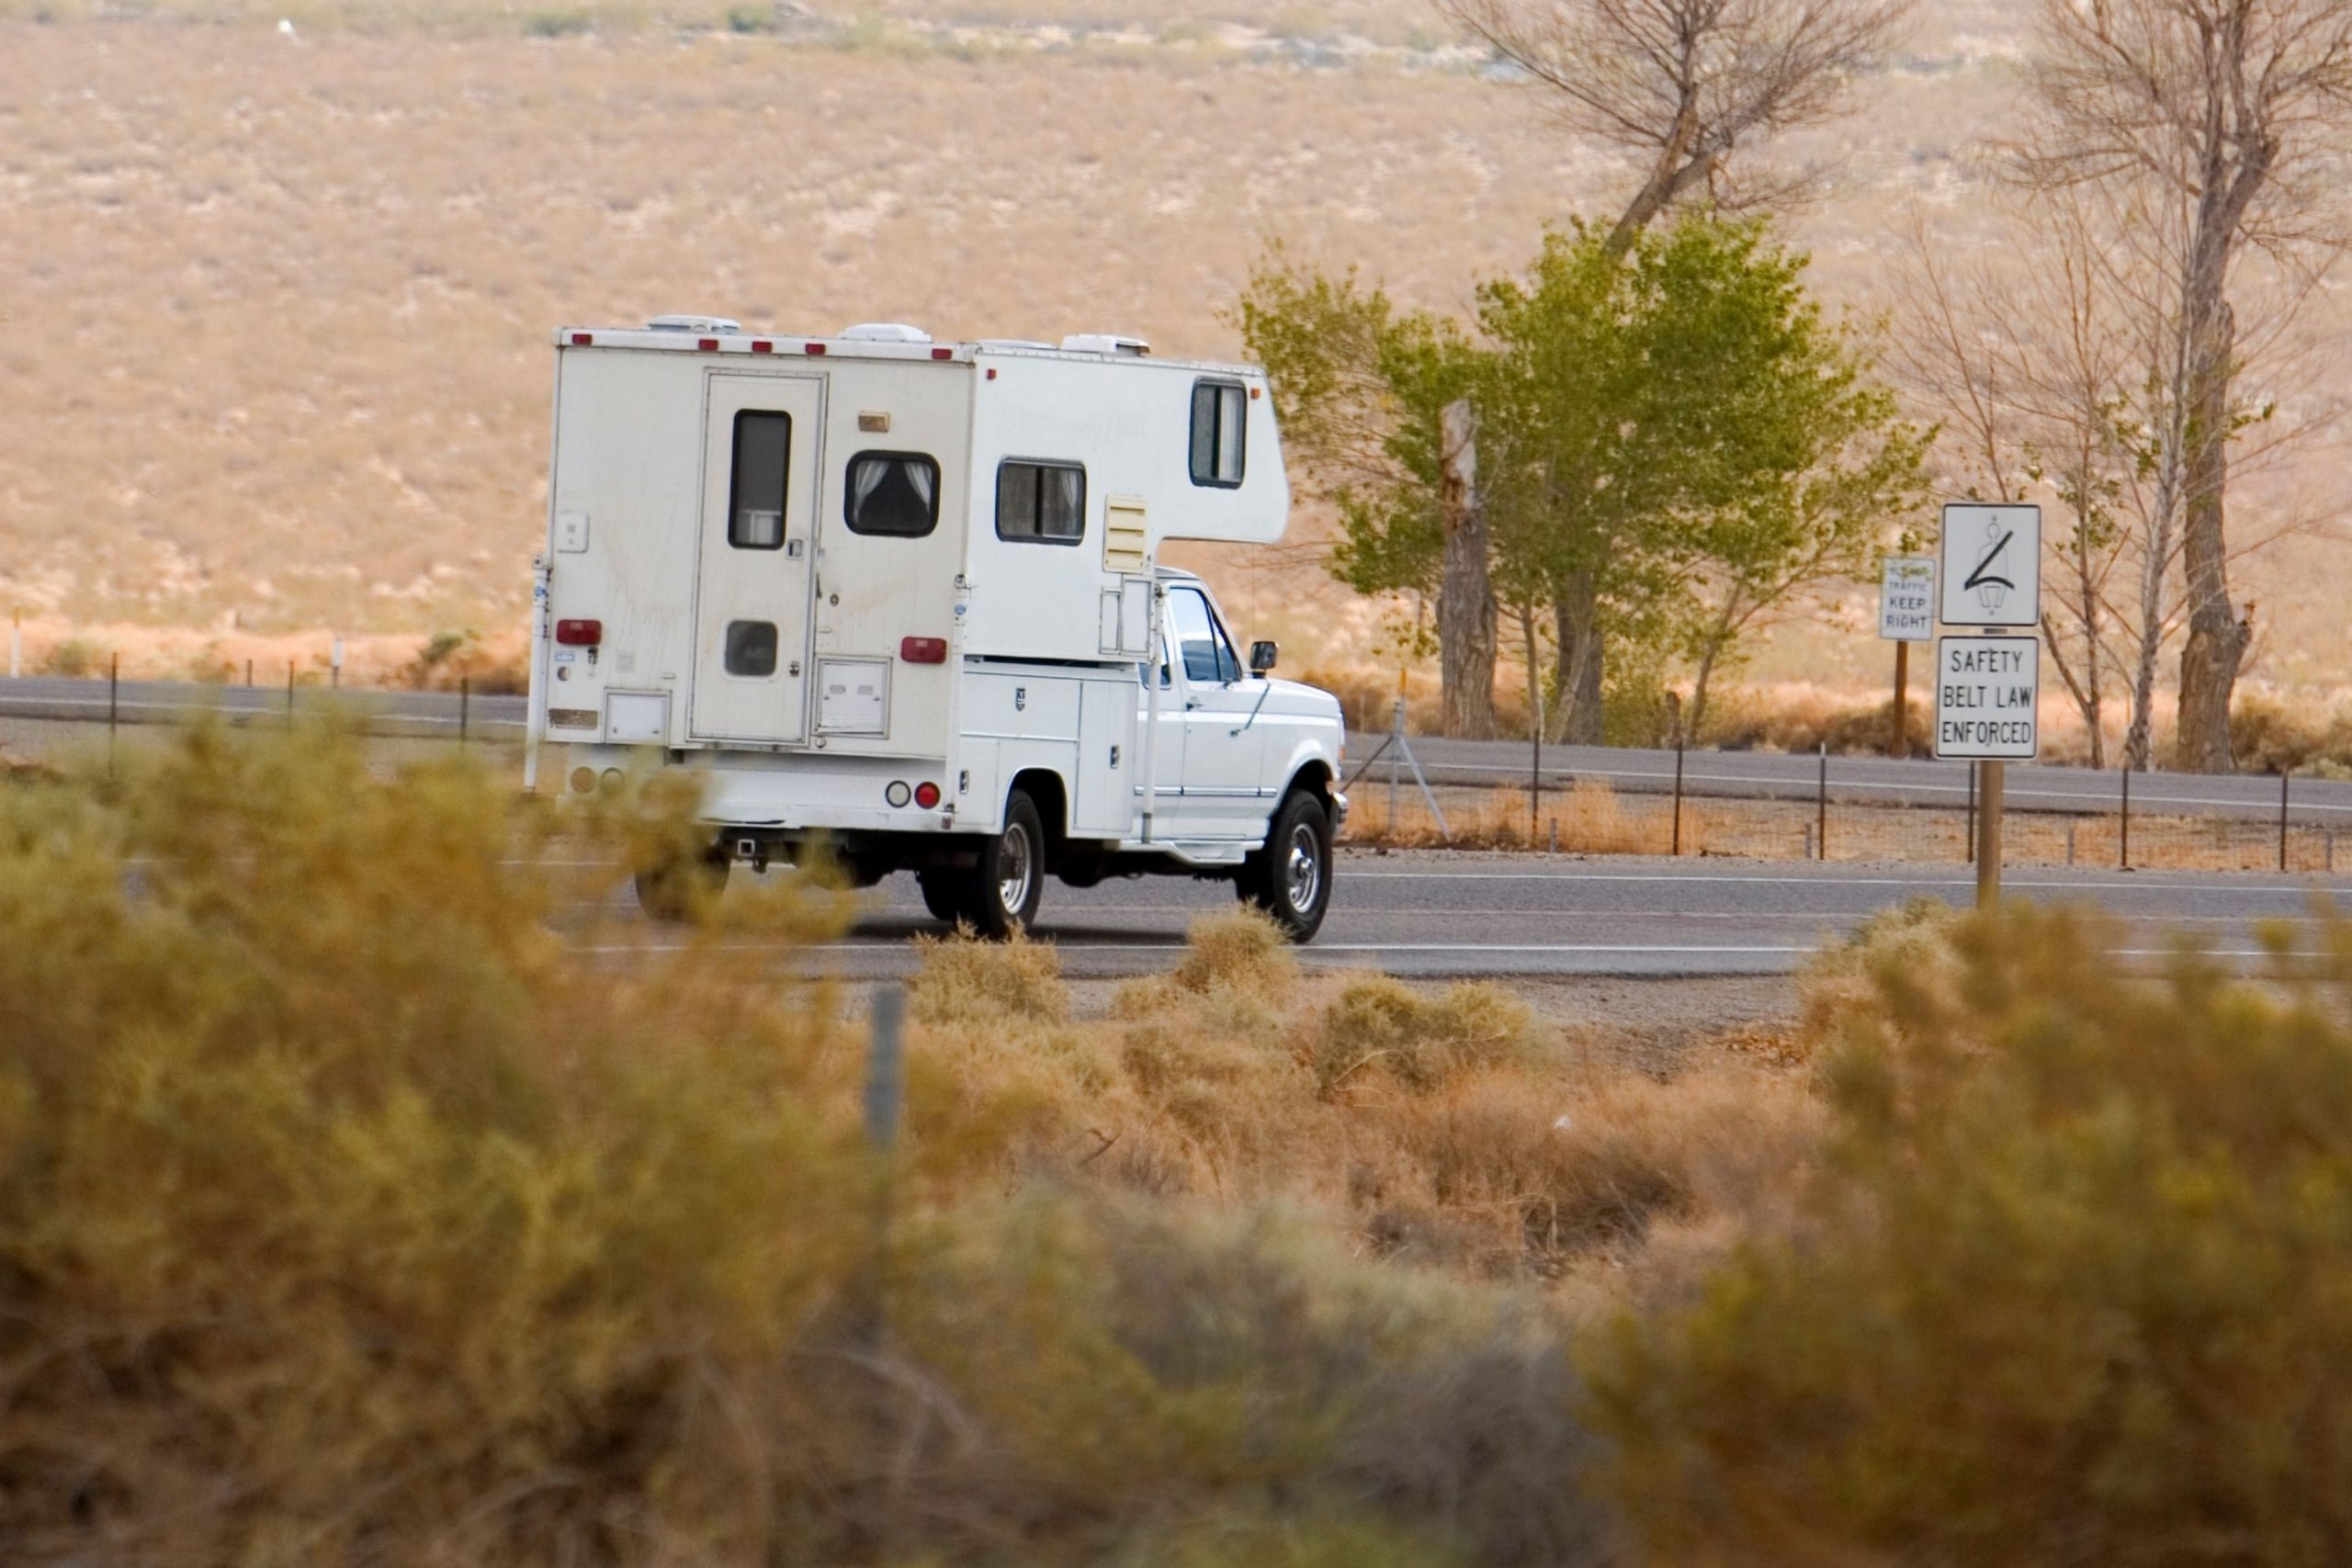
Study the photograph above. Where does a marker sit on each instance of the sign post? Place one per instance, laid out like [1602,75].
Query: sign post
[1988,689]
[1906,613]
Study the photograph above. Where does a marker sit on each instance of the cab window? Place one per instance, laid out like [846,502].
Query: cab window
[1208,655]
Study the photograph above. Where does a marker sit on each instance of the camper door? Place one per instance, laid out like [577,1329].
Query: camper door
[760,484]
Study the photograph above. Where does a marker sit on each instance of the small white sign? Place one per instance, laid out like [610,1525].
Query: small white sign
[1988,697]
[1992,564]
[1906,599]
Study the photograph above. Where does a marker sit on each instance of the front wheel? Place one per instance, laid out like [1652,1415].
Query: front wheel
[1290,877]
[1001,893]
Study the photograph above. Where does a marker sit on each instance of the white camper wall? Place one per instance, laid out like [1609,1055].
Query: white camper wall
[627,493]
[874,591]
[1129,422]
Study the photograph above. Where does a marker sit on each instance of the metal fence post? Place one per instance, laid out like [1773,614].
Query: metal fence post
[2125,861]
[1677,790]
[465,704]
[2283,777]
[114,704]
[1972,814]
[249,674]
[884,1092]
[1822,803]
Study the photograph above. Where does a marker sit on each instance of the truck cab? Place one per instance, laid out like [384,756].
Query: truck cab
[899,603]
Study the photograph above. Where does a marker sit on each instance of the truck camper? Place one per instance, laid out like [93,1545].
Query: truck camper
[904,598]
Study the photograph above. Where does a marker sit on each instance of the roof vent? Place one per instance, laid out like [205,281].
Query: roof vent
[883,331]
[1106,343]
[693,324]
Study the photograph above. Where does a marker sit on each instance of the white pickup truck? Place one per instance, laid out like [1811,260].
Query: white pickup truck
[904,598]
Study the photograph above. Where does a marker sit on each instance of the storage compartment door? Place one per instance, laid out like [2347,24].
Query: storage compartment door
[760,485]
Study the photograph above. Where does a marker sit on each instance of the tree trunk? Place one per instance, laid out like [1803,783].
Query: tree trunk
[1466,601]
[2217,638]
[1579,616]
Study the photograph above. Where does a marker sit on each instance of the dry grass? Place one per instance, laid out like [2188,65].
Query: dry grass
[1448,1128]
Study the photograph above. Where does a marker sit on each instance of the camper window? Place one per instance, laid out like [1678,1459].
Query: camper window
[1042,503]
[894,493]
[1220,420]
[755,499]
[751,648]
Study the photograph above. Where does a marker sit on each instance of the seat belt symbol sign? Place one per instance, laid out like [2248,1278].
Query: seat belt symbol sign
[1992,588]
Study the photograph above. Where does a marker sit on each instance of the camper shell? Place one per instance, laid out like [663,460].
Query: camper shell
[900,596]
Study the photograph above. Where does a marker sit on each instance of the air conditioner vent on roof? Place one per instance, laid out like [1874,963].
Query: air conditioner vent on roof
[1106,343]
[883,331]
[694,324]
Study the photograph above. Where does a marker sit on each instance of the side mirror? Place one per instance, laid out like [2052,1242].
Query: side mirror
[1263,655]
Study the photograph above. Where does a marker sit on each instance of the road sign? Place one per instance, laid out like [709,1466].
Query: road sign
[1988,697]
[1992,564]
[1906,598]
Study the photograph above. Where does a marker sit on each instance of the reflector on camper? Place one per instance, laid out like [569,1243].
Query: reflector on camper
[580,633]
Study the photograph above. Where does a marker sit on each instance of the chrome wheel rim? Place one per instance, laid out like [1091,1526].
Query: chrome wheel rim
[1013,870]
[1303,869]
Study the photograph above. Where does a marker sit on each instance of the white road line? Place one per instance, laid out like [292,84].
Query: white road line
[1828,880]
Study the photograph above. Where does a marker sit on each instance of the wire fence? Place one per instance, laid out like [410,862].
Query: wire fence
[1587,816]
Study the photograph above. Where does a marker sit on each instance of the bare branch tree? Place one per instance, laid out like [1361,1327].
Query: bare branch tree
[2216,120]
[2063,382]
[1686,87]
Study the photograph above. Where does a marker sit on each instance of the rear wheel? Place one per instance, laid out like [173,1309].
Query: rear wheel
[1290,877]
[683,885]
[943,895]
[1002,893]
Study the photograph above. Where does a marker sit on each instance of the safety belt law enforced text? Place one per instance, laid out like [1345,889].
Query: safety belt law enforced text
[1986,698]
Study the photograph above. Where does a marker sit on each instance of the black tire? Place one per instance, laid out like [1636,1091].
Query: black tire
[685,887]
[1290,877]
[1001,895]
[943,895]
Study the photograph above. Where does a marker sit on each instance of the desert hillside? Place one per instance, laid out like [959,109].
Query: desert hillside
[277,299]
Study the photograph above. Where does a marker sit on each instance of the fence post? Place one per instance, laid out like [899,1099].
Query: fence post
[2283,777]
[17,644]
[1822,801]
[289,694]
[465,704]
[1972,814]
[1677,790]
[114,704]
[2126,861]
[249,674]
[885,1091]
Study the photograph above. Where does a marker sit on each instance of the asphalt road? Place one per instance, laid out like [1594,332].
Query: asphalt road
[1750,774]
[1453,914]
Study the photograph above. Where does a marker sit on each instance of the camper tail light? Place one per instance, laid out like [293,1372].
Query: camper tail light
[580,633]
[926,795]
[923,649]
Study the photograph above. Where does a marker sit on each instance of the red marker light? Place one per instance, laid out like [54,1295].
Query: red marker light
[943,353]
[581,340]
[923,649]
[815,348]
[708,344]
[926,795]
[580,633]
[762,345]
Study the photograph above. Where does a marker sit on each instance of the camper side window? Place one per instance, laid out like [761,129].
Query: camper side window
[755,497]
[894,493]
[1220,425]
[1042,503]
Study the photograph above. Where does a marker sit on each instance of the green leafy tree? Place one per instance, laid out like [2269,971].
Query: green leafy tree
[1674,444]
